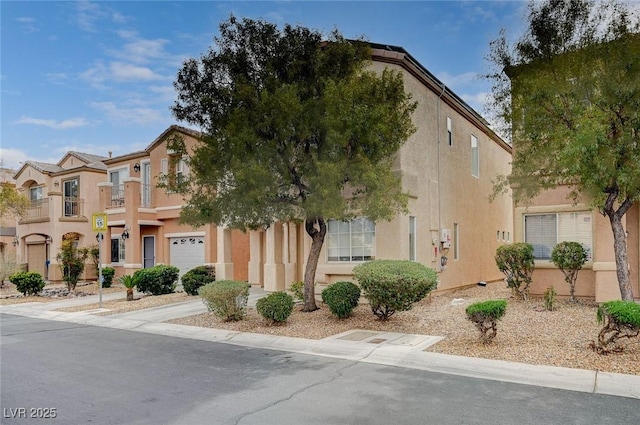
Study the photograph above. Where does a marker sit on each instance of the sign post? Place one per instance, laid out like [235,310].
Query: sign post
[99,225]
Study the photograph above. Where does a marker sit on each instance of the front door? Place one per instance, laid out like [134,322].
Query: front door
[148,251]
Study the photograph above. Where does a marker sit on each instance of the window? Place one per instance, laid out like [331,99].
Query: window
[117,190]
[544,231]
[449,131]
[70,193]
[35,193]
[475,157]
[412,239]
[175,168]
[351,240]
[117,250]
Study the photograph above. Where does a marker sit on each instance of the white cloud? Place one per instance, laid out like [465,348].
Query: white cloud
[166,93]
[129,115]
[463,79]
[121,71]
[27,24]
[87,15]
[56,125]
[12,158]
[475,100]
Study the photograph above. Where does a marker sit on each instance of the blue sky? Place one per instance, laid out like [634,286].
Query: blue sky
[97,76]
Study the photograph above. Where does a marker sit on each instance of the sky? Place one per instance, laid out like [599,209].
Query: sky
[97,76]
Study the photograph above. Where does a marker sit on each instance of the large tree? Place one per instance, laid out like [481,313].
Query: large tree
[295,128]
[568,91]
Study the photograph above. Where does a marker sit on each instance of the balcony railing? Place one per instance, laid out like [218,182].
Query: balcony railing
[73,207]
[117,196]
[37,210]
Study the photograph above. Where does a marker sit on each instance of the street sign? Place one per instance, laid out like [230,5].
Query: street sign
[99,222]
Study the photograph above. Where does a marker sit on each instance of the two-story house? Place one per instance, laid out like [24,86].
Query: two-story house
[447,167]
[62,197]
[143,219]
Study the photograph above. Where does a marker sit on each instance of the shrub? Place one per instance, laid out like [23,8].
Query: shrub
[485,315]
[227,299]
[549,298]
[29,283]
[621,319]
[298,290]
[198,277]
[342,298]
[517,263]
[392,285]
[129,282]
[569,257]
[71,261]
[107,275]
[276,306]
[157,280]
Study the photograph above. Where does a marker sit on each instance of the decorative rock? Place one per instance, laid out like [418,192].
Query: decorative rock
[458,301]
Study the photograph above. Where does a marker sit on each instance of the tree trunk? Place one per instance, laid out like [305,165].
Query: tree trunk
[317,229]
[620,247]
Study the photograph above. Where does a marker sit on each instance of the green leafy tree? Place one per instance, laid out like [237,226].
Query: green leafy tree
[12,203]
[71,260]
[295,128]
[568,91]
[569,257]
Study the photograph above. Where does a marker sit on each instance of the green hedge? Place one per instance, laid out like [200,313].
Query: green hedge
[28,283]
[342,298]
[624,312]
[276,306]
[198,277]
[158,280]
[227,299]
[485,315]
[393,285]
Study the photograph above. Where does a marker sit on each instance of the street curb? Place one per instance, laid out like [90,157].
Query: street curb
[412,357]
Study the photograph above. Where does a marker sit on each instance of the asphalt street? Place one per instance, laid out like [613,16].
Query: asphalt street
[97,375]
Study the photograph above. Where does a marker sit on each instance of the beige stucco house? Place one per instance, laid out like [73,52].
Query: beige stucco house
[8,241]
[62,198]
[551,218]
[447,168]
[143,220]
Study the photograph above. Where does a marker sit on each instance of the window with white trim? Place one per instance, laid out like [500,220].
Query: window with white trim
[449,131]
[475,157]
[117,250]
[544,231]
[351,240]
[35,193]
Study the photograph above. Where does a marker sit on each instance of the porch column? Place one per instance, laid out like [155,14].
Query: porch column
[273,267]
[255,258]
[224,263]
[289,251]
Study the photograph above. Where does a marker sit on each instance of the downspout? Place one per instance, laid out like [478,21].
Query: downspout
[438,174]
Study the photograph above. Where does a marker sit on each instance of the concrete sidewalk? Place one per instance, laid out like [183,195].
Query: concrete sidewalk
[393,349]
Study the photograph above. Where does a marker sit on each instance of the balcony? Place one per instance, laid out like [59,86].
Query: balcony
[38,210]
[73,207]
[117,196]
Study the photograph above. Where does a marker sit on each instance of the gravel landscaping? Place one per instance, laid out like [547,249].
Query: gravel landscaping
[527,333]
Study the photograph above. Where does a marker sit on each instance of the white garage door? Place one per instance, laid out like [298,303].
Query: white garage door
[186,253]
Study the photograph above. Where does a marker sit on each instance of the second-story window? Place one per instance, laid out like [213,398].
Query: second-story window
[35,193]
[449,132]
[71,194]
[475,157]
[175,168]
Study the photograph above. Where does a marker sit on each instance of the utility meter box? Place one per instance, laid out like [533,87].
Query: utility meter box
[445,238]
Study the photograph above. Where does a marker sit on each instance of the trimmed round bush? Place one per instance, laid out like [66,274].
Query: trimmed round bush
[198,277]
[394,285]
[569,257]
[227,299]
[107,275]
[342,298]
[28,283]
[485,315]
[517,262]
[157,280]
[276,306]
[621,319]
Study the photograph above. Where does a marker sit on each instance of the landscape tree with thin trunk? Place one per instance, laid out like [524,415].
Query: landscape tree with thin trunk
[294,128]
[568,93]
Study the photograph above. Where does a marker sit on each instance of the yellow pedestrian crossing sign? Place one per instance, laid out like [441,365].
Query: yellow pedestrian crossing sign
[99,222]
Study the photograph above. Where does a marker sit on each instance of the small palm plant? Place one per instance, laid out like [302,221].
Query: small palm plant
[129,282]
